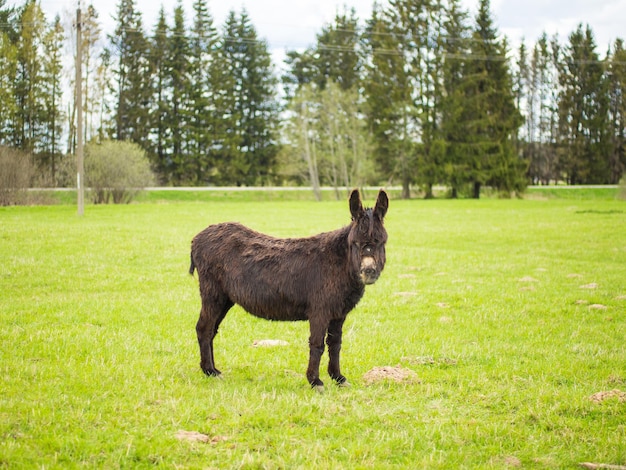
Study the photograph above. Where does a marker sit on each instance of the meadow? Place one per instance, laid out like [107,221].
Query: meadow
[503,321]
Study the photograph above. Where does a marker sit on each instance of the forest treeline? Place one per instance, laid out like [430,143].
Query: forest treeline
[418,94]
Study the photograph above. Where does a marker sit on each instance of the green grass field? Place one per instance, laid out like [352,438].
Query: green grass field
[509,313]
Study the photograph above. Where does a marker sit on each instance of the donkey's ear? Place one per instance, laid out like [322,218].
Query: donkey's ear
[356,207]
[382,204]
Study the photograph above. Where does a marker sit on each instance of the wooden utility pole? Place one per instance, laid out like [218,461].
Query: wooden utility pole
[80,177]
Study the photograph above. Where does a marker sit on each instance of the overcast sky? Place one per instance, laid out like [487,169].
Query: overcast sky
[293,24]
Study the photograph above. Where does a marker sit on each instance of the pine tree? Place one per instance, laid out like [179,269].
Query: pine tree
[301,70]
[158,153]
[132,75]
[178,87]
[250,143]
[541,114]
[490,115]
[452,132]
[202,94]
[389,106]
[419,25]
[583,108]
[523,96]
[336,52]
[29,80]
[52,79]
[8,75]
[617,111]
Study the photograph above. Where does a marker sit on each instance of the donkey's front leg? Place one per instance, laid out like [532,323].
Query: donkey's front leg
[316,349]
[333,340]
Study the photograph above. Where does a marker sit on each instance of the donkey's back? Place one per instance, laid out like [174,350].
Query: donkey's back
[272,278]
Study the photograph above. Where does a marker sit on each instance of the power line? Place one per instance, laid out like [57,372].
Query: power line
[348,49]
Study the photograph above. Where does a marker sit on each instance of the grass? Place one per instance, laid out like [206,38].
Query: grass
[510,313]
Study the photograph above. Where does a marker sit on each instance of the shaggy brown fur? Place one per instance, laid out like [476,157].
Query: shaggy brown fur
[319,279]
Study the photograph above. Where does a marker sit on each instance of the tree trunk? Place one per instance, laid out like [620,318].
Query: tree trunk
[476,190]
[406,189]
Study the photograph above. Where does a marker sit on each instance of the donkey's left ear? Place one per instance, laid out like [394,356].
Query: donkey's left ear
[382,204]
[356,207]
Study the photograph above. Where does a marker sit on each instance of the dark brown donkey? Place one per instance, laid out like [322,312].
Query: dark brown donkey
[319,279]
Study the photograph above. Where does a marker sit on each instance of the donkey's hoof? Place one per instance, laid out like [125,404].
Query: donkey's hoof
[317,385]
[341,381]
[212,372]
[344,384]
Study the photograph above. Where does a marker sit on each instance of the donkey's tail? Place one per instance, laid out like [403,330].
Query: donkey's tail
[193,265]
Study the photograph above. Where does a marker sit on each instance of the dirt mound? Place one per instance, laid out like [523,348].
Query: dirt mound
[194,436]
[396,374]
[607,395]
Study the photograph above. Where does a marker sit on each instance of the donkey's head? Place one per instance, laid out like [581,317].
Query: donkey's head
[368,236]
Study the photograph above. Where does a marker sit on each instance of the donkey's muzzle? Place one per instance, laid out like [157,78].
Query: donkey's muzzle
[369,272]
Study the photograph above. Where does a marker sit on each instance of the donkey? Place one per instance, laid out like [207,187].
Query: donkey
[319,279]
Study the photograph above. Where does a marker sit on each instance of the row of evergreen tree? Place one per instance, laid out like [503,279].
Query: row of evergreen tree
[419,93]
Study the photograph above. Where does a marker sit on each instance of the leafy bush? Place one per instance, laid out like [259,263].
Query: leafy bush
[16,171]
[116,171]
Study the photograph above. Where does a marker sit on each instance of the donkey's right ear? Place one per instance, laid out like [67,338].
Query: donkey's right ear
[356,207]
[382,204]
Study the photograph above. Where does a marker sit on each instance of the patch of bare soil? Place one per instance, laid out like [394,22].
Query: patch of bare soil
[512,461]
[396,374]
[608,395]
[195,436]
[598,307]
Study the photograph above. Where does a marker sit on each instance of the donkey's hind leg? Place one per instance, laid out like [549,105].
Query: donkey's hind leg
[214,309]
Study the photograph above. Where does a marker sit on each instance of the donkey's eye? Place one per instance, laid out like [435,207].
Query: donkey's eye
[368,250]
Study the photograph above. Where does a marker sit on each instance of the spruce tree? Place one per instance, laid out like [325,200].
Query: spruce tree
[158,153]
[418,24]
[202,94]
[490,117]
[53,85]
[29,87]
[541,114]
[132,76]
[336,52]
[178,105]
[389,106]
[617,111]
[251,141]
[583,107]
[452,132]
[8,75]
